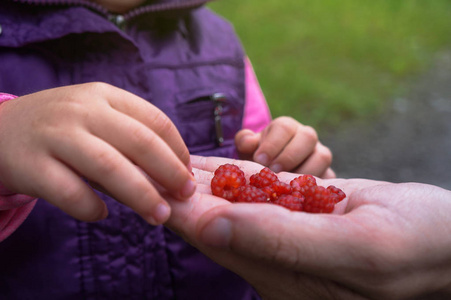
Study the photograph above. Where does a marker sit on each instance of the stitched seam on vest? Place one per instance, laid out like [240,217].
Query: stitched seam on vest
[236,63]
[80,259]
[169,264]
[125,247]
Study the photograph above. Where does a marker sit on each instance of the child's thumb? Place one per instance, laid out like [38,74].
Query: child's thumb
[246,142]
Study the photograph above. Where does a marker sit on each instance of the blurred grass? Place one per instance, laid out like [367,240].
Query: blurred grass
[325,62]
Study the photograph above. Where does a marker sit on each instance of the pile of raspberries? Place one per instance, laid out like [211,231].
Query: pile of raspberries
[301,194]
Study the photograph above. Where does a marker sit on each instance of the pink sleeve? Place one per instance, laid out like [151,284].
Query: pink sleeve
[14,208]
[256,111]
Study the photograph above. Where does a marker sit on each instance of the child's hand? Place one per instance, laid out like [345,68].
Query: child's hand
[286,145]
[51,140]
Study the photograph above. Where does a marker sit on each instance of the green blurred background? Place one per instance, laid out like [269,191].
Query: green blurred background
[327,62]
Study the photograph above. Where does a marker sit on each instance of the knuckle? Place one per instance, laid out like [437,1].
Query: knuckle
[310,133]
[162,123]
[325,154]
[97,86]
[291,160]
[106,163]
[71,195]
[286,123]
[285,120]
[142,136]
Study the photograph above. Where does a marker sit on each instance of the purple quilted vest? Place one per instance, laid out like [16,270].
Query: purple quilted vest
[182,58]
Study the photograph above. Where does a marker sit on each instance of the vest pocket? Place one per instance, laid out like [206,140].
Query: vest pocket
[209,118]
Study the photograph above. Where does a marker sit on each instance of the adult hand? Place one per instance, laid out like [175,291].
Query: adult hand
[286,145]
[384,241]
[51,140]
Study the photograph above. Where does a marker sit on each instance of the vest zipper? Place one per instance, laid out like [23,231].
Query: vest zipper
[219,99]
[118,20]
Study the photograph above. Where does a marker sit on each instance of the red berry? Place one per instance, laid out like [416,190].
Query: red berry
[302,194]
[302,182]
[340,195]
[291,202]
[318,199]
[276,189]
[250,193]
[264,178]
[227,181]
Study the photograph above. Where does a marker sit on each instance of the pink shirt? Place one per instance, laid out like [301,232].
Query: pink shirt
[256,111]
[15,208]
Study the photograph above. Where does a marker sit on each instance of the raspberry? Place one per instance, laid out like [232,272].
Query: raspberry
[340,195]
[250,193]
[291,202]
[302,182]
[276,189]
[318,199]
[227,181]
[302,194]
[264,178]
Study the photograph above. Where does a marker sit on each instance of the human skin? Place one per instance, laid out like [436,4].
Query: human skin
[51,140]
[384,241]
[286,145]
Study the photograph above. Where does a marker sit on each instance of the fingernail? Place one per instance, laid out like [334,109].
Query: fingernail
[217,233]
[262,159]
[160,215]
[188,189]
[276,168]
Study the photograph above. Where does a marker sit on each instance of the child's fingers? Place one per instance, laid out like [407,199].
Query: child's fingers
[273,140]
[60,186]
[318,162]
[246,142]
[285,144]
[151,117]
[149,151]
[295,151]
[101,163]
[329,174]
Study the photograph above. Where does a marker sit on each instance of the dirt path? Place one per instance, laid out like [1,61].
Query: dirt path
[411,142]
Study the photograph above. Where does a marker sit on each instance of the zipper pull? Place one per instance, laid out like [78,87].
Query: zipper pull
[118,20]
[218,99]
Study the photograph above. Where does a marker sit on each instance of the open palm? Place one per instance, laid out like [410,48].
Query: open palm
[384,241]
